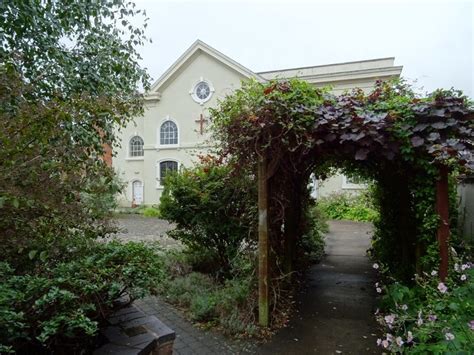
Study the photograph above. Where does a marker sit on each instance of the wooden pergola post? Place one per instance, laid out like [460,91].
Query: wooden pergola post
[263,309]
[442,207]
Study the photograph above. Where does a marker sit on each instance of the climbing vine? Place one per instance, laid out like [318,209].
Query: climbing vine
[390,135]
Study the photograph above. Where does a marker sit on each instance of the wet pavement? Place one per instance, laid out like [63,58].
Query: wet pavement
[335,308]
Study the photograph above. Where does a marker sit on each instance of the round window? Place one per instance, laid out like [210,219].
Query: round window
[202,91]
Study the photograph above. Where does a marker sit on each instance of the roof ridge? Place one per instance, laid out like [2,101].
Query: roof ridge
[326,65]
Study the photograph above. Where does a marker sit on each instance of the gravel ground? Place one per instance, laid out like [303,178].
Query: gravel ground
[133,227]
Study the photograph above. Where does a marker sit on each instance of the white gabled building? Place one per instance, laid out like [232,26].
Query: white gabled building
[173,129]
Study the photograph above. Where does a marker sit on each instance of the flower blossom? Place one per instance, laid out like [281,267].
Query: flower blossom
[378,289]
[449,336]
[432,317]
[409,337]
[456,267]
[389,320]
[434,273]
[420,320]
[379,342]
[399,341]
[403,307]
[471,325]
[375,266]
[463,277]
[465,266]
[385,344]
[442,287]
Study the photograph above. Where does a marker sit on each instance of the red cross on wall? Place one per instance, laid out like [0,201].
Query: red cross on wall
[201,122]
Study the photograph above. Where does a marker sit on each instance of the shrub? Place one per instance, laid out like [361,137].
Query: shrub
[151,212]
[312,242]
[229,304]
[431,317]
[214,209]
[60,302]
[346,206]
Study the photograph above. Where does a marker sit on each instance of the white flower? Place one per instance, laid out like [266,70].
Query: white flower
[420,320]
[404,307]
[409,337]
[389,319]
[434,273]
[378,289]
[456,267]
[385,344]
[375,266]
[464,267]
[463,277]
[442,287]
[449,336]
[376,284]
[399,341]
[379,342]
[377,311]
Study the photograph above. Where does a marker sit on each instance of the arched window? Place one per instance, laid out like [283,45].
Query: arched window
[166,167]
[136,147]
[168,133]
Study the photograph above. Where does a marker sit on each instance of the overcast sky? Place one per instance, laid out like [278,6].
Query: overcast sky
[433,40]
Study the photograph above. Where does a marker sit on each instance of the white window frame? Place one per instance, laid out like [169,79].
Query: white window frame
[129,156]
[166,146]
[158,170]
[192,92]
[350,186]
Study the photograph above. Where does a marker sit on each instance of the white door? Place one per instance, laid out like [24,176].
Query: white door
[137,192]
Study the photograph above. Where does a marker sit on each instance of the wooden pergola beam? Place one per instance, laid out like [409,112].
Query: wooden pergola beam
[442,208]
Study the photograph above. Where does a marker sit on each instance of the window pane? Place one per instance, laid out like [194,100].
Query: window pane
[168,133]
[167,167]
[136,147]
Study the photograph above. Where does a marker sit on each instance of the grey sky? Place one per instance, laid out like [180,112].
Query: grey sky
[433,40]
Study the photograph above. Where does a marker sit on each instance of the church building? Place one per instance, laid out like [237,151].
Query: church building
[173,130]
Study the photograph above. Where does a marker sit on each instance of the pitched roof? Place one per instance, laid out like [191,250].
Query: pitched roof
[382,68]
[201,46]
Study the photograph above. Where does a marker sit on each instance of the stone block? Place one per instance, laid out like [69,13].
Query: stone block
[131,332]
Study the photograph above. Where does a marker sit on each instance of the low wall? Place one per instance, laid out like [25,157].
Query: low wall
[131,332]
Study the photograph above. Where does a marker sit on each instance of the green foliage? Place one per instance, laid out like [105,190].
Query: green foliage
[100,196]
[431,317]
[228,304]
[312,241]
[389,135]
[69,76]
[353,207]
[213,208]
[68,300]
[68,80]
[151,212]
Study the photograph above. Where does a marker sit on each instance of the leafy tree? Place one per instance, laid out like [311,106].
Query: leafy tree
[214,209]
[69,76]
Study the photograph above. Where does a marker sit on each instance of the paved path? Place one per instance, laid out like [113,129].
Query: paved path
[135,227]
[334,313]
[335,309]
[189,339]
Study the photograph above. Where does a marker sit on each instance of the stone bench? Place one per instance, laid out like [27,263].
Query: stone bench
[132,332]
